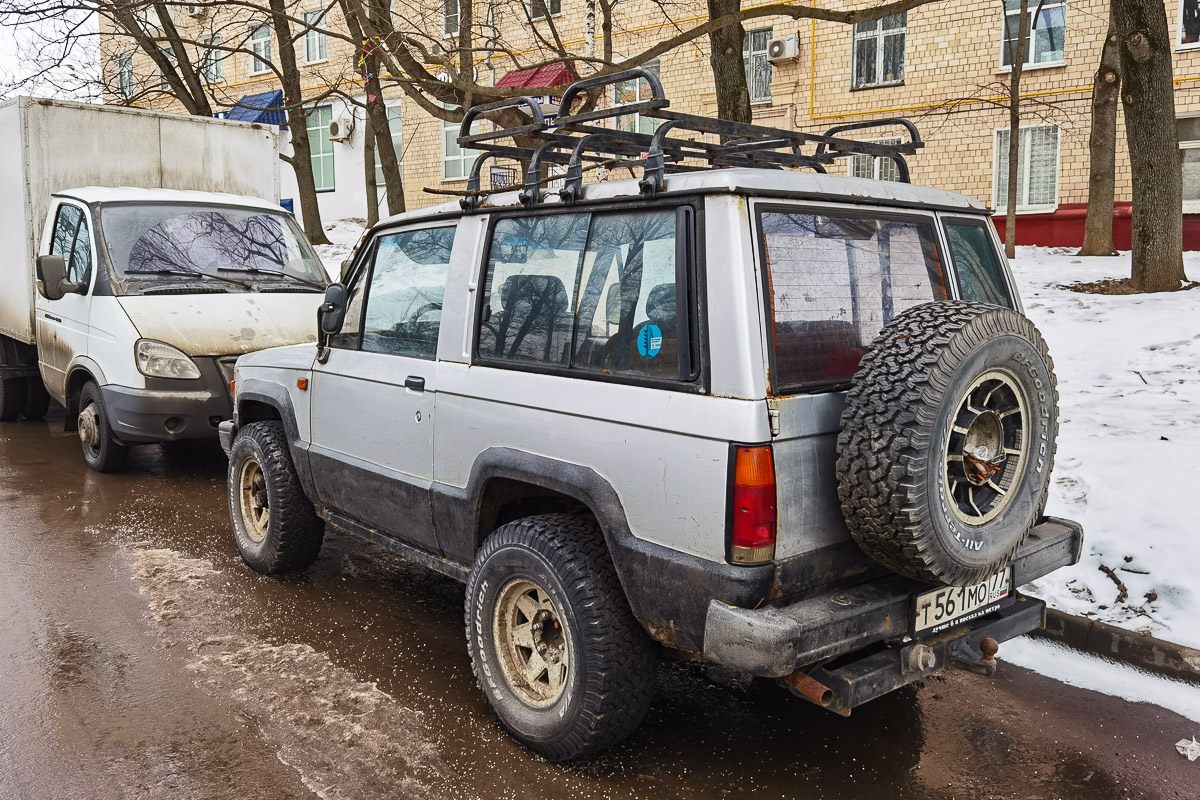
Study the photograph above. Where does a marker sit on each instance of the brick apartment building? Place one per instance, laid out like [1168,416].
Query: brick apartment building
[943,65]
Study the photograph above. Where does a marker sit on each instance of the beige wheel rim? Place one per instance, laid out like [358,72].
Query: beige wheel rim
[987,447]
[256,509]
[531,643]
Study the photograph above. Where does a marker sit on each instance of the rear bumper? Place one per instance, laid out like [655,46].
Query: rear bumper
[775,640]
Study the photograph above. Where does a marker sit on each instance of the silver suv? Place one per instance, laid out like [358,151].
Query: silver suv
[793,423]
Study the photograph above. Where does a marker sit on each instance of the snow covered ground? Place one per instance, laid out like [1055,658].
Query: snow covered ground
[1129,394]
[1128,463]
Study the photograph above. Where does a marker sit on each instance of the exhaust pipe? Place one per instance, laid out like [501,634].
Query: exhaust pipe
[812,690]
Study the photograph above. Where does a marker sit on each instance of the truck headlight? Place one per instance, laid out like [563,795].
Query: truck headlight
[161,360]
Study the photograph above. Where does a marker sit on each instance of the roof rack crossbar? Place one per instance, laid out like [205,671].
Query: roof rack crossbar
[663,151]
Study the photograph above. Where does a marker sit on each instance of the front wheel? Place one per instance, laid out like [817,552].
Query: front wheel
[563,663]
[101,450]
[274,523]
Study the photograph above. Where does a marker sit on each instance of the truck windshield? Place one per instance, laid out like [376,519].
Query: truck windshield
[176,239]
[835,279]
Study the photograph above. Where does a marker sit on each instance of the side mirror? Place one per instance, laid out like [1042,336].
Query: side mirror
[52,272]
[332,312]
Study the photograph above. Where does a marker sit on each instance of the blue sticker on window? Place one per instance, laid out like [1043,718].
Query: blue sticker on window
[649,341]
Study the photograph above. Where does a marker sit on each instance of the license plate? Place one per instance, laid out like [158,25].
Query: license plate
[941,609]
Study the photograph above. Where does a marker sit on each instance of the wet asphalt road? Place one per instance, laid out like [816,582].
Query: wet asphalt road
[140,658]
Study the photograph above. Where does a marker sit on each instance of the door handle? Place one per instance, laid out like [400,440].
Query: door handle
[417,384]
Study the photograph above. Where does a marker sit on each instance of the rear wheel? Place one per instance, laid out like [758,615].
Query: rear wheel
[12,398]
[274,523]
[101,450]
[563,663]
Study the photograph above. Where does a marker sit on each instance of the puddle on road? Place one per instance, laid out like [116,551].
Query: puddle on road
[355,674]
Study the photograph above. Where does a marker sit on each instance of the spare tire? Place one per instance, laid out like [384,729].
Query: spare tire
[947,441]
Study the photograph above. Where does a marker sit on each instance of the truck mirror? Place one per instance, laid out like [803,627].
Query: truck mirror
[52,272]
[332,313]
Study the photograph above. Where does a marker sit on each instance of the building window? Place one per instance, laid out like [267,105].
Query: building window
[125,84]
[1037,169]
[169,54]
[879,51]
[260,45]
[1047,32]
[450,17]
[1189,24]
[456,162]
[212,59]
[321,147]
[393,114]
[541,9]
[635,91]
[758,68]
[1188,130]
[873,167]
[315,45]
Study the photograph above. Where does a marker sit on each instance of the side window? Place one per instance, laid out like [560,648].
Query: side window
[73,241]
[980,275]
[350,337]
[835,279]
[408,283]
[595,293]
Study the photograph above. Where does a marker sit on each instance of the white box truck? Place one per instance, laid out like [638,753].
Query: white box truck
[140,254]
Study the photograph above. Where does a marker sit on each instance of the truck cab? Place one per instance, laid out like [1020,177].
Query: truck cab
[146,297]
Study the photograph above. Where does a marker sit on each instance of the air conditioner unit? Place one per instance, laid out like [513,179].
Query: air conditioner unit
[341,129]
[782,50]
[197,10]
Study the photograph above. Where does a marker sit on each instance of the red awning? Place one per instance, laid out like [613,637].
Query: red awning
[549,75]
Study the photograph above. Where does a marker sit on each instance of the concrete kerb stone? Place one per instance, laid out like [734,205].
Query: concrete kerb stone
[1121,645]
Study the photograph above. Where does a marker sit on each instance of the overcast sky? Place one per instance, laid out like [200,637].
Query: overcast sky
[21,50]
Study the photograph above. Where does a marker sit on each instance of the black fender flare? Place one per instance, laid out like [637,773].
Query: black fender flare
[277,397]
[668,590]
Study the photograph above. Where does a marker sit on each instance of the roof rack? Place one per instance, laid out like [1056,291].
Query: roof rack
[577,138]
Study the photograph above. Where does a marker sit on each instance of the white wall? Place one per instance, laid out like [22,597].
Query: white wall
[348,199]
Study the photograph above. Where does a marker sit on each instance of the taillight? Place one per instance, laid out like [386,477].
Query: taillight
[752,516]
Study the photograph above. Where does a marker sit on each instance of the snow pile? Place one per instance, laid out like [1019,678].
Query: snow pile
[1129,383]
[343,234]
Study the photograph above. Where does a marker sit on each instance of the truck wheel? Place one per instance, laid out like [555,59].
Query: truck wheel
[947,441]
[37,400]
[101,450]
[274,523]
[563,663]
[12,398]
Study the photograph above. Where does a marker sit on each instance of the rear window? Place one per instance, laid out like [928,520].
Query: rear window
[980,276]
[835,279]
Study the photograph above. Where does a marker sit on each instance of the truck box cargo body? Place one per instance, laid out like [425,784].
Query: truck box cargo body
[140,254]
[50,145]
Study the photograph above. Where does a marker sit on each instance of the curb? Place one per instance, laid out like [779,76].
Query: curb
[1127,647]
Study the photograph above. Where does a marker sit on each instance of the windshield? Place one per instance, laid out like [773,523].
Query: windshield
[240,244]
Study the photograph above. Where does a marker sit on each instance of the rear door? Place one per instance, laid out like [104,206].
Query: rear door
[373,400]
[832,278]
[62,325]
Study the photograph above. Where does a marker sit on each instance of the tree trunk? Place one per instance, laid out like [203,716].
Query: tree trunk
[376,108]
[369,173]
[1014,126]
[1102,147]
[293,98]
[1148,97]
[728,66]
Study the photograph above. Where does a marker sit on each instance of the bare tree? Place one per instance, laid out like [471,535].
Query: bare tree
[1102,151]
[1017,65]
[1148,97]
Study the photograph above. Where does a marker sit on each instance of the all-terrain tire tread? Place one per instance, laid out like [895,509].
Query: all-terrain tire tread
[887,425]
[301,531]
[620,659]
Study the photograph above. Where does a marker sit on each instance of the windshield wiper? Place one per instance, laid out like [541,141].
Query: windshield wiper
[189,274]
[257,271]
